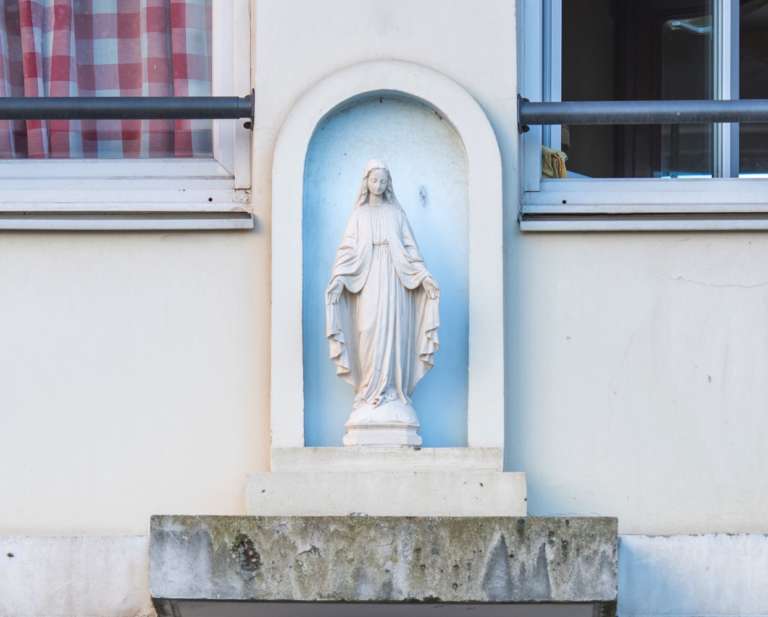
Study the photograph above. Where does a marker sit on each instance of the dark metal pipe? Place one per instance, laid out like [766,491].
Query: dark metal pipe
[126,108]
[642,112]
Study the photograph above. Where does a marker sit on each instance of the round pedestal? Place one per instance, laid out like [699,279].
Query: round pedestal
[390,424]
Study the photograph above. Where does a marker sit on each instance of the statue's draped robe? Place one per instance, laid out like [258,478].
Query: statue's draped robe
[383,330]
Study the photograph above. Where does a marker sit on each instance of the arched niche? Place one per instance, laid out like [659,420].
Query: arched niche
[429,167]
[353,88]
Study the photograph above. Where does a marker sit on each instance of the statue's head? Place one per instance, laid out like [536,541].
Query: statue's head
[376,181]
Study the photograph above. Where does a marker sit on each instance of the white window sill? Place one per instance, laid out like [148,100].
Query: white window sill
[95,195]
[125,221]
[697,204]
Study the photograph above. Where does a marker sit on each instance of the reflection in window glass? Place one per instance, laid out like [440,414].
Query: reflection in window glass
[625,50]
[105,48]
[753,83]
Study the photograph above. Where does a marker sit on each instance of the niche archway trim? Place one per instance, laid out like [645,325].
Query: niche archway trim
[485,413]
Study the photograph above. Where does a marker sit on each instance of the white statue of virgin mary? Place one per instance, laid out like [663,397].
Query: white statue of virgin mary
[381,316]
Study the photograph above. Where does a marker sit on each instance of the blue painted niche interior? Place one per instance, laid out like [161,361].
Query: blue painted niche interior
[429,170]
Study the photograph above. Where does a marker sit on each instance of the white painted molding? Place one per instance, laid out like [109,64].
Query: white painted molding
[448,492]
[126,221]
[486,293]
[720,575]
[363,459]
[73,576]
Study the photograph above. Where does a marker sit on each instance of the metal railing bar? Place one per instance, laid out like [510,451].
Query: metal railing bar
[641,112]
[126,108]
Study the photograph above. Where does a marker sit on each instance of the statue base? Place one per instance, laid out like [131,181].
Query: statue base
[391,424]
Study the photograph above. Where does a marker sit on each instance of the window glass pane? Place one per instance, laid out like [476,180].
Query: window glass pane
[753,84]
[625,49]
[105,48]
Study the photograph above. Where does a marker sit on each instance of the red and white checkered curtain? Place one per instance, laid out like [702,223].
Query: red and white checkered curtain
[105,48]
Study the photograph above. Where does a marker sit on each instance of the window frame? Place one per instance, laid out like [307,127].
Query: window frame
[175,188]
[724,201]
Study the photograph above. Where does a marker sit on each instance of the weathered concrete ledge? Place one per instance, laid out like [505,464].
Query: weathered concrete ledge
[383,559]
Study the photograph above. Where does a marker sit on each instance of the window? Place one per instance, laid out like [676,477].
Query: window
[645,177]
[753,84]
[178,169]
[150,48]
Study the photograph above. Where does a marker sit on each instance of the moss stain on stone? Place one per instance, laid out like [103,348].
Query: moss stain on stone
[246,556]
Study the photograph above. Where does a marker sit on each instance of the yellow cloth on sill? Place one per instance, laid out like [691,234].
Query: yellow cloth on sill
[553,163]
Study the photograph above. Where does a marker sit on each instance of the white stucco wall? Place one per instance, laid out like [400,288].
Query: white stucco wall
[639,372]
[134,367]
[132,377]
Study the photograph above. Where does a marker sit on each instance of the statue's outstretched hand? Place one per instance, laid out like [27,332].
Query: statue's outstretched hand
[334,293]
[433,291]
